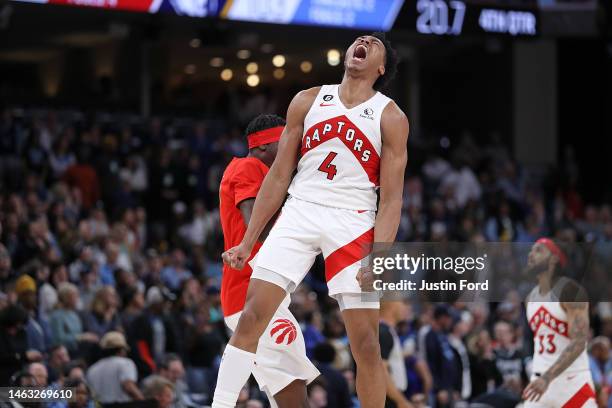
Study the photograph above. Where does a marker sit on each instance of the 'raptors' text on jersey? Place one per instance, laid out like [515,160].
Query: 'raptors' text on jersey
[340,152]
[548,322]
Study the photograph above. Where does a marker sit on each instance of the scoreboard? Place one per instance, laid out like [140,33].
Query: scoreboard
[457,17]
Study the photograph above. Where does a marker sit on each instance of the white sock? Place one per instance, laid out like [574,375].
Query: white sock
[236,367]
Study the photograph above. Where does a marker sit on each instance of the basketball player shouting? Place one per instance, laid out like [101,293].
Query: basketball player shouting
[282,369]
[558,314]
[346,141]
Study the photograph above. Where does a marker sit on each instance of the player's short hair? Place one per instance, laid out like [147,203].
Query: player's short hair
[391,61]
[263,122]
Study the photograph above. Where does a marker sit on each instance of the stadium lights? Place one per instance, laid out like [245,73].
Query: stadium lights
[279,73]
[195,43]
[243,54]
[333,57]
[253,80]
[278,61]
[306,66]
[227,74]
[216,62]
[252,68]
[190,69]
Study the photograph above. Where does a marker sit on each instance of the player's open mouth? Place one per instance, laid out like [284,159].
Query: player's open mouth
[360,52]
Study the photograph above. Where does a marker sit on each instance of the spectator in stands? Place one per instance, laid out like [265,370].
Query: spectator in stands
[6,270]
[437,351]
[161,390]
[312,330]
[171,368]
[39,372]
[14,351]
[112,265]
[61,157]
[460,185]
[25,288]
[601,369]
[66,325]
[485,375]
[58,360]
[508,358]
[501,226]
[175,273]
[133,305]
[82,396]
[336,334]
[83,177]
[151,334]
[103,316]
[338,395]
[47,298]
[203,346]
[75,370]
[113,379]
[317,394]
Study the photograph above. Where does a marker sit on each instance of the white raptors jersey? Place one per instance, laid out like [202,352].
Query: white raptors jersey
[340,153]
[548,322]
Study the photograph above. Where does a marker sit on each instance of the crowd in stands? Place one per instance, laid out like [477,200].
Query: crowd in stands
[110,266]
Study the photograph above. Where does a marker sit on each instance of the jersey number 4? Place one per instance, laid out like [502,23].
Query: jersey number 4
[328,167]
[547,344]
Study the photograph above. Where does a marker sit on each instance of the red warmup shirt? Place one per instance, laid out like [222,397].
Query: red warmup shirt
[241,180]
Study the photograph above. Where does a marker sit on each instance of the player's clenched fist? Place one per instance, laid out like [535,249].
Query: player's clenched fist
[237,256]
[365,277]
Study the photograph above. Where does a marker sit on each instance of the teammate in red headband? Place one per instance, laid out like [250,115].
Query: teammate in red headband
[558,315]
[282,369]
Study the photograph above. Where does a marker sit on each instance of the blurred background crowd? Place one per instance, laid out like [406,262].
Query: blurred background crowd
[110,267]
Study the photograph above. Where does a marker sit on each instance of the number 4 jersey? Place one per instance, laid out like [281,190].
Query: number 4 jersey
[340,152]
[548,322]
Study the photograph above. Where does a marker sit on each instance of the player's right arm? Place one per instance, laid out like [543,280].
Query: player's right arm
[246,209]
[276,183]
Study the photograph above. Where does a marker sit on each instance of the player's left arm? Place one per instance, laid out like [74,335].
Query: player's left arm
[395,128]
[394,156]
[578,331]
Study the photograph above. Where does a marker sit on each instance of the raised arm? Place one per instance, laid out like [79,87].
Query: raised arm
[276,183]
[395,128]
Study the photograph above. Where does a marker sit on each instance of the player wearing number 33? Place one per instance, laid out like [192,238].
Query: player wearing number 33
[346,141]
[558,315]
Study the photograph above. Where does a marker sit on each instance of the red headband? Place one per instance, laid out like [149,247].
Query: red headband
[552,247]
[265,136]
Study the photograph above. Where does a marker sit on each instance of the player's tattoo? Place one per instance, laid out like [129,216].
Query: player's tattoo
[578,314]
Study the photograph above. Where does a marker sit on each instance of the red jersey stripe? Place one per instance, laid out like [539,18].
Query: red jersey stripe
[583,395]
[350,253]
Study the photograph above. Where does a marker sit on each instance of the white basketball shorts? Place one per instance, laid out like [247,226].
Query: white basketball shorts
[302,231]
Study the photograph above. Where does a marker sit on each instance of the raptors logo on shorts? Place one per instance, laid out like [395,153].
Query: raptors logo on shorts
[283,331]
